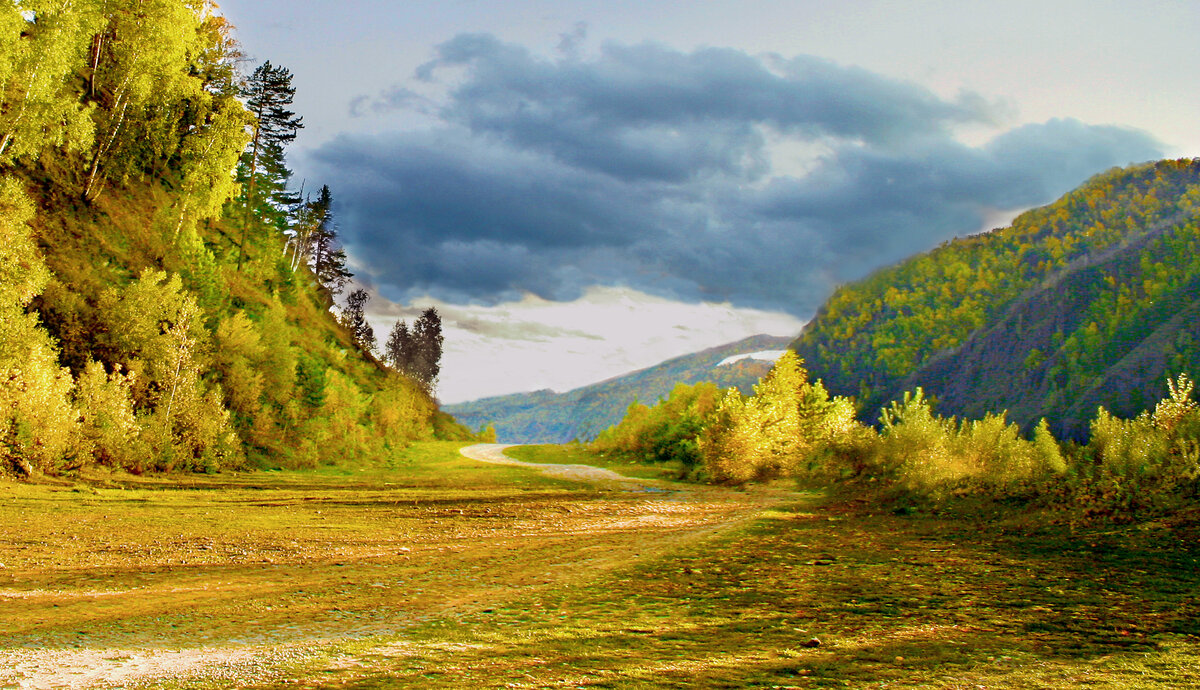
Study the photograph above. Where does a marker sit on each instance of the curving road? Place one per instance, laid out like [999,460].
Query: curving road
[494,453]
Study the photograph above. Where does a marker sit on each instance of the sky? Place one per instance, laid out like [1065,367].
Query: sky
[586,188]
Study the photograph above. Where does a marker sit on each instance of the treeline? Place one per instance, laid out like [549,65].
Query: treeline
[164,294]
[792,427]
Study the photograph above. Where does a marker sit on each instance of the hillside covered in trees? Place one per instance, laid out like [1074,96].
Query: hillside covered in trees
[165,293]
[1082,303]
[1051,362]
[549,417]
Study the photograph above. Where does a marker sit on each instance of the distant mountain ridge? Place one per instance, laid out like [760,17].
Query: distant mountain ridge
[1092,300]
[548,417]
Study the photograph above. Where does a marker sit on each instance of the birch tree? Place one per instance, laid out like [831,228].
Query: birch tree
[141,60]
[42,47]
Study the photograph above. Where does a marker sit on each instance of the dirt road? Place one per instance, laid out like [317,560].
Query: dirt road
[242,581]
[494,453]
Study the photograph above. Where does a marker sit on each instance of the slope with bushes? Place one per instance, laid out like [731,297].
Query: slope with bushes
[150,315]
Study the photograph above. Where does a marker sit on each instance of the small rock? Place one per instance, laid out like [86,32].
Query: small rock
[811,642]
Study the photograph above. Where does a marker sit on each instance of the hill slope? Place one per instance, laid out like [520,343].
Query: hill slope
[549,417]
[1080,303]
[1107,332]
[155,312]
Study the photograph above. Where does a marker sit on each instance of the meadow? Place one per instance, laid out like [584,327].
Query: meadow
[433,570]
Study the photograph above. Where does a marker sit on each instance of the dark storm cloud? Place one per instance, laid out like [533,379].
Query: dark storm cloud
[647,111]
[873,206]
[650,168]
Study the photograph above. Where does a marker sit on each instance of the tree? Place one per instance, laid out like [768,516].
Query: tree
[268,94]
[427,333]
[774,431]
[398,348]
[41,46]
[217,126]
[354,320]
[316,244]
[417,353]
[142,70]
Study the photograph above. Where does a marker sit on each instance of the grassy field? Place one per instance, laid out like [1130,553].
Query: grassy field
[436,571]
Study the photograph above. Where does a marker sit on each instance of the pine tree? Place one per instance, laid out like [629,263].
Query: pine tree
[354,320]
[263,171]
[417,353]
[268,92]
[328,259]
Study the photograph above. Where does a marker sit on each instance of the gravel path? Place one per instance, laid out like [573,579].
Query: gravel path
[494,453]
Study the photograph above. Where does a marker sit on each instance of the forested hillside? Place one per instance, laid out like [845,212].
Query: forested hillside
[1080,303]
[549,417]
[1078,323]
[165,293]
[1105,333]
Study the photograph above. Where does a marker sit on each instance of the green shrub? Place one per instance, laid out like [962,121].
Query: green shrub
[1147,463]
[667,432]
[789,427]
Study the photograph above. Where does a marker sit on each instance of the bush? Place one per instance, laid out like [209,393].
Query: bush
[789,427]
[39,425]
[1147,463]
[931,457]
[667,432]
[109,424]
[400,413]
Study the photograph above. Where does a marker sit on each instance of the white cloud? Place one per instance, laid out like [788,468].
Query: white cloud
[532,344]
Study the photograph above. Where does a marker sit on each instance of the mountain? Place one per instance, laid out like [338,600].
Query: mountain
[549,417]
[1088,301]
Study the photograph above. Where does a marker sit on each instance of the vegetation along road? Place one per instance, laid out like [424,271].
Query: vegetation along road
[433,569]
